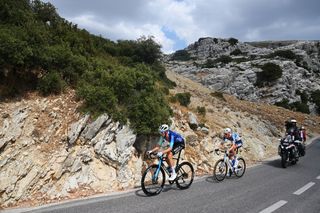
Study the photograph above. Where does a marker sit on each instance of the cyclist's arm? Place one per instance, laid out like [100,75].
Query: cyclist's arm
[170,147]
[155,148]
[158,145]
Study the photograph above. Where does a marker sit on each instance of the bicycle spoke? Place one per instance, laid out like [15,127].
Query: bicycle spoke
[220,170]
[185,175]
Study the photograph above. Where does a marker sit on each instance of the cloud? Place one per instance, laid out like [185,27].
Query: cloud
[177,23]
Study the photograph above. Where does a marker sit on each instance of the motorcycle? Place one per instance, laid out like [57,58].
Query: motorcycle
[288,151]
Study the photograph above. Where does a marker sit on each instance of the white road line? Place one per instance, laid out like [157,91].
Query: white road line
[274,206]
[318,177]
[304,188]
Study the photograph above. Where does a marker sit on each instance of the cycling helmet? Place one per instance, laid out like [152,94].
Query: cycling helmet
[293,121]
[227,130]
[302,127]
[163,128]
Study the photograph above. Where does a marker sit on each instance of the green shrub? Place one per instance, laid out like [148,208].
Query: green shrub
[181,55]
[285,54]
[173,99]
[236,52]
[218,94]
[270,73]
[111,77]
[315,97]
[284,103]
[209,64]
[51,83]
[201,110]
[233,41]
[295,106]
[240,60]
[300,107]
[303,95]
[224,59]
[147,112]
[98,99]
[183,98]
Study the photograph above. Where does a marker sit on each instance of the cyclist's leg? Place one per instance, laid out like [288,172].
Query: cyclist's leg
[233,155]
[173,174]
[169,159]
[232,152]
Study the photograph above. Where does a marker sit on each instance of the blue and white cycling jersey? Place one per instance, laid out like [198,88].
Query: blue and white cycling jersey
[234,138]
[172,138]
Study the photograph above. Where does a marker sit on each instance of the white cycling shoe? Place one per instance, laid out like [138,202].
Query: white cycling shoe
[172,177]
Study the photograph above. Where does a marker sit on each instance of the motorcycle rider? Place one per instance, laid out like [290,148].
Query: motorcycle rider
[293,130]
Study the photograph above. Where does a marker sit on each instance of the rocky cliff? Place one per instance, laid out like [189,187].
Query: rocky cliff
[231,67]
[49,151]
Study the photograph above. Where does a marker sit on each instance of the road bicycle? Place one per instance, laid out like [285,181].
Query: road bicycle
[224,166]
[153,178]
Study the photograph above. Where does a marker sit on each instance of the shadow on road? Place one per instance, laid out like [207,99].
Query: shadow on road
[274,163]
[166,188]
[140,193]
[211,179]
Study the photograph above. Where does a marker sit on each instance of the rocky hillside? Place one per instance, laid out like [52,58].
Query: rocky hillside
[237,68]
[49,151]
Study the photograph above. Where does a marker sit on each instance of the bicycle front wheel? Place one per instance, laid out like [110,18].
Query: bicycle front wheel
[185,175]
[220,170]
[241,168]
[152,182]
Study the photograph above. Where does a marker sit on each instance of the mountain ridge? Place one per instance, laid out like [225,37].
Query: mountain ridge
[234,67]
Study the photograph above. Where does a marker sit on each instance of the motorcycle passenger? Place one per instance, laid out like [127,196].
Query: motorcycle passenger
[303,134]
[236,143]
[171,143]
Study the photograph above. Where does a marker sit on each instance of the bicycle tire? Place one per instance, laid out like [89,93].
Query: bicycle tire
[185,175]
[222,169]
[147,180]
[241,167]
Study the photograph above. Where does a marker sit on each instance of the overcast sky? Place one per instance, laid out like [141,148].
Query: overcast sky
[178,23]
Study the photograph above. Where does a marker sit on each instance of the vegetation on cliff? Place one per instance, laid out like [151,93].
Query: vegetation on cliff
[41,51]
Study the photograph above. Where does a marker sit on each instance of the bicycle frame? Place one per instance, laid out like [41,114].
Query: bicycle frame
[226,158]
[161,164]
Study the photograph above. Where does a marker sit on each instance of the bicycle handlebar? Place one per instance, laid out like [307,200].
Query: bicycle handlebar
[217,151]
[153,155]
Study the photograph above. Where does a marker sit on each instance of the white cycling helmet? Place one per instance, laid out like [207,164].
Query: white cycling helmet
[293,121]
[227,130]
[163,128]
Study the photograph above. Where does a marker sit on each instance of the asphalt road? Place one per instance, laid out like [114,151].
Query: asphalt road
[264,188]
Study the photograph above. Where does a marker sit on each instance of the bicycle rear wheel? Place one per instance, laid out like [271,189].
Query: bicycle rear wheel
[185,175]
[150,183]
[241,168]
[220,170]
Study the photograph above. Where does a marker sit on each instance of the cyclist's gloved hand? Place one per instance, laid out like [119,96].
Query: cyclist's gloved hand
[159,154]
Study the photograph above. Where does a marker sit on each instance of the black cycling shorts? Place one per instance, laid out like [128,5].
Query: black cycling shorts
[177,147]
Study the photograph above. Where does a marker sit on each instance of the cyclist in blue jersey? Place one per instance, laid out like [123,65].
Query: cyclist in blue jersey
[236,142]
[170,143]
